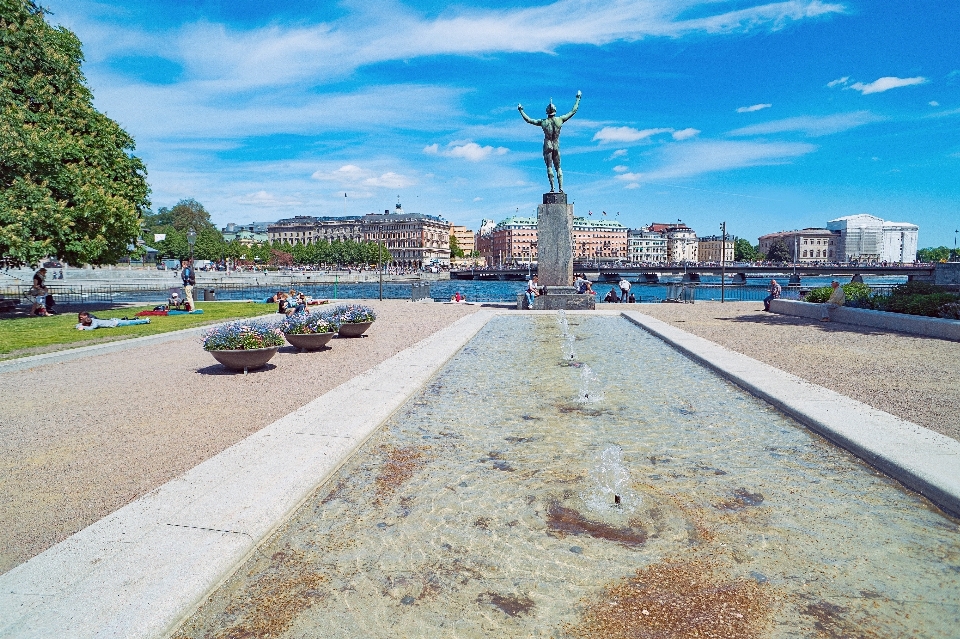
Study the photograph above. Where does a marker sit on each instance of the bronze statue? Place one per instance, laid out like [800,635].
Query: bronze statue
[551,137]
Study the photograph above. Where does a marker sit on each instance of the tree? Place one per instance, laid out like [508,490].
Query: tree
[189,214]
[209,245]
[455,250]
[743,251]
[939,254]
[68,184]
[779,252]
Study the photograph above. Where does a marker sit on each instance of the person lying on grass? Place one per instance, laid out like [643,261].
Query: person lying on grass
[88,322]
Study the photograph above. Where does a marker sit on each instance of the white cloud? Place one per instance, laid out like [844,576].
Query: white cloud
[230,59]
[933,103]
[619,153]
[885,84]
[478,199]
[620,168]
[470,151]
[267,200]
[811,125]
[686,160]
[751,109]
[351,175]
[686,134]
[839,81]
[611,134]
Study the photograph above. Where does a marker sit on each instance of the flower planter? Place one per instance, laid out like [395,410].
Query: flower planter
[355,329]
[244,360]
[309,341]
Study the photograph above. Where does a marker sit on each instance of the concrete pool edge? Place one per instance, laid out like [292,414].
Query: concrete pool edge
[920,459]
[141,570]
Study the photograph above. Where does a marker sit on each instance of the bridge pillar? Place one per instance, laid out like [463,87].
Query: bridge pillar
[650,278]
[794,280]
[856,279]
[740,278]
[689,278]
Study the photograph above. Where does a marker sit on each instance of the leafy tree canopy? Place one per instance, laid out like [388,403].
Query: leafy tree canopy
[939,254]
[743,251]
[69,186]
[190,214]
[455,250]
[779,252]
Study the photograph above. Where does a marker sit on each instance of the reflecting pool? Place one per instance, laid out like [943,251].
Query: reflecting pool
[599,486]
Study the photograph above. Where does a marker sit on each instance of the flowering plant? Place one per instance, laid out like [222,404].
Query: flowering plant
[351,314]
[308,323]
[242,336]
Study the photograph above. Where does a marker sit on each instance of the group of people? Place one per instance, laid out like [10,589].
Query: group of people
[291,302]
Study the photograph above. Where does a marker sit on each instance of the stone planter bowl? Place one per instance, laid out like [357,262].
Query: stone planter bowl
[354,330]
[246,359]
[309,341]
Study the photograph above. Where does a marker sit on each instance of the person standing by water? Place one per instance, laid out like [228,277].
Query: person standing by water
[189,278]
[837,299]
[624,289]
[775,291]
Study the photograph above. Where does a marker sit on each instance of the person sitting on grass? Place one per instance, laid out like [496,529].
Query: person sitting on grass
[175,302]
[89,322]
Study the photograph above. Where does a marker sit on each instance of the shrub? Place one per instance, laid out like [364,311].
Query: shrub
[950,311]
[928,305]
[308,323]
[242,336]
[857,294]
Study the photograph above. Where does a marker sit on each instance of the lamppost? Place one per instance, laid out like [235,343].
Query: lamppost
[723,259]
[191,240]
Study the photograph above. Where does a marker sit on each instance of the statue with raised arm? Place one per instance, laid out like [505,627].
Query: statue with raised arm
[551,137]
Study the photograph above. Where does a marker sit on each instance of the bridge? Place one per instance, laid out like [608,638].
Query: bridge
[693,272]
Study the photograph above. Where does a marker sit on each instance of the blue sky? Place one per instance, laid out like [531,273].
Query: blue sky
[766,115]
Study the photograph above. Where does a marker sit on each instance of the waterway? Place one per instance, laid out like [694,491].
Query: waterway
[575,477]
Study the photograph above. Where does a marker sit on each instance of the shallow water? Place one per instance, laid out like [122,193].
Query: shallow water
[485,507]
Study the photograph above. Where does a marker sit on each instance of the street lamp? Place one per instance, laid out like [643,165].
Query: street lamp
[191,240]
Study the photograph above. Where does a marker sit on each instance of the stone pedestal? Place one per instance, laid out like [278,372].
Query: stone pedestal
[555,257]
[555,240]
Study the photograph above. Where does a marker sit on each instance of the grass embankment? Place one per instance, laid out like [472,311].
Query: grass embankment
[32,335]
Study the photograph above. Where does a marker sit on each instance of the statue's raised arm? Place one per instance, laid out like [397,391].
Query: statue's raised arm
[576,105]
[527,118]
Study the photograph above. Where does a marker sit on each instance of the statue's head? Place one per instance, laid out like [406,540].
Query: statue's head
[551,110]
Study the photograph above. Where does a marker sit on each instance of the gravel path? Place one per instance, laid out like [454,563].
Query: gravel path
[80,439]
[912,377]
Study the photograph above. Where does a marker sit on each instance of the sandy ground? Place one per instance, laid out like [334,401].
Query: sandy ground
[915,378]
[80,439]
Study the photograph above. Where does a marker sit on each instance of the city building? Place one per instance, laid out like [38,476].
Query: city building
[805,245]
[681,241]
[599,240]
[307,229]
[465,238]
[512,242]
[413,239]
[246,234]
[646,247]
[713,248]
[866,238]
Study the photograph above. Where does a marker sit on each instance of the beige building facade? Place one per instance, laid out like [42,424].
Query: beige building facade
[808,245]
[413,239]
[714,248]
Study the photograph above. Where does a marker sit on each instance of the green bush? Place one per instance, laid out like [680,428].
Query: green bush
[928,305]
[858,295]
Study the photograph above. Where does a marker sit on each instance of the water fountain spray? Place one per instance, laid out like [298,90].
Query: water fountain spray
[611,487]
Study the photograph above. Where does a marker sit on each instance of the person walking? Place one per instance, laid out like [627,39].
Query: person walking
[775,291]
[837,299]
[189,278]
[624,289]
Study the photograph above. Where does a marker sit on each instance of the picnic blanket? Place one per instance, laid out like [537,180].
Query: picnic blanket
[145,313]
[195,312]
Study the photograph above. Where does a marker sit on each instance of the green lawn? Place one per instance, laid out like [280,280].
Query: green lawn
[28,335]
